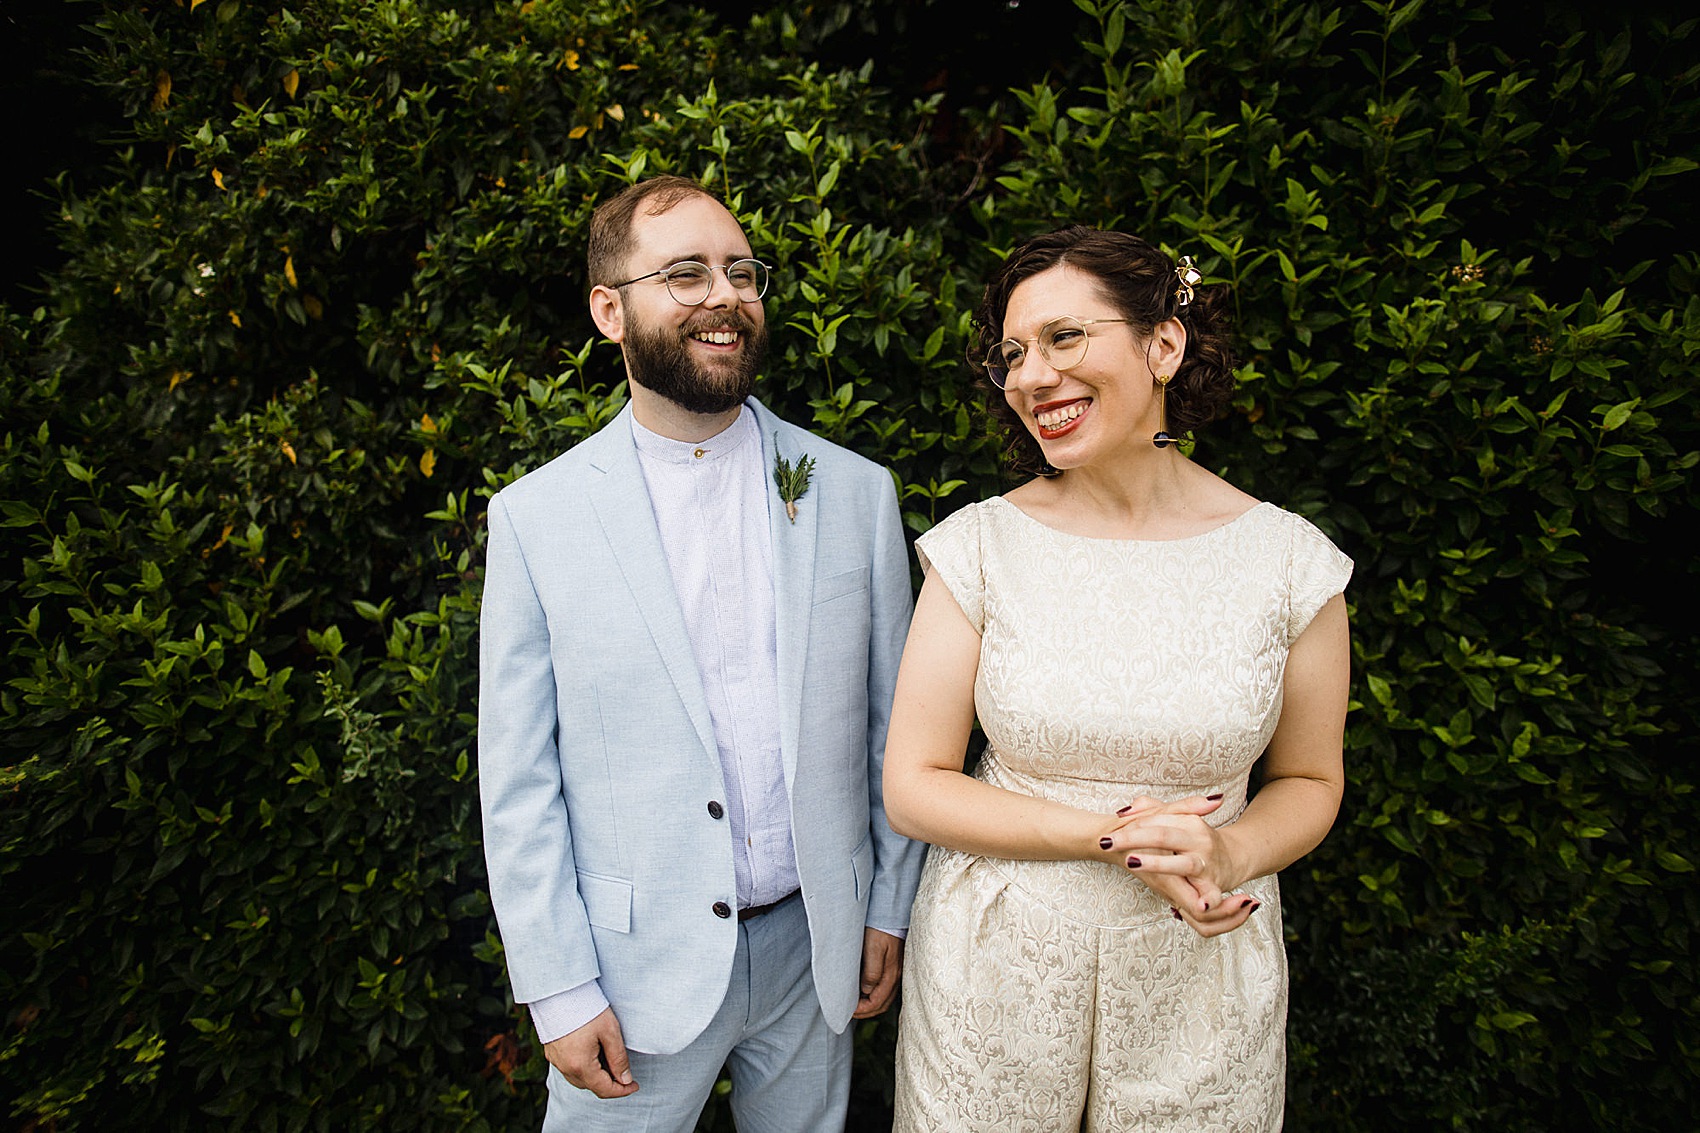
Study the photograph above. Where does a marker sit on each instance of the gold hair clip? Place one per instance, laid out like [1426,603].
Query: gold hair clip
[1188,275]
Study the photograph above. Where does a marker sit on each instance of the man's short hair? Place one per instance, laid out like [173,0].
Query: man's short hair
[611,224]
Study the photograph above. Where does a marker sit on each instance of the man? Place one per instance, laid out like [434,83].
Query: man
[686,674]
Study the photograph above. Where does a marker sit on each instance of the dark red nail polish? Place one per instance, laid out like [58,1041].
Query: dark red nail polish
[1177,913]
[1132,862]
[1213,798]
[1125,811]
[1104,843]
[1255,905]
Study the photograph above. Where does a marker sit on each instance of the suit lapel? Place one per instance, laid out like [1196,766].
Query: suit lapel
[793,576]
[621,502]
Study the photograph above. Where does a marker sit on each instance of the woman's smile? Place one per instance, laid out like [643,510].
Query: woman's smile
[1059,418]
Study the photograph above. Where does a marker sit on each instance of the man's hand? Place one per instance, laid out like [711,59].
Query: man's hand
[594,1057]
[882,963]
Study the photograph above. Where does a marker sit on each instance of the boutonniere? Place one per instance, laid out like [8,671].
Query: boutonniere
[793,482]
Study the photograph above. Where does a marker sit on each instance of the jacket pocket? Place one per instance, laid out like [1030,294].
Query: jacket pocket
[607,901]
[838,585]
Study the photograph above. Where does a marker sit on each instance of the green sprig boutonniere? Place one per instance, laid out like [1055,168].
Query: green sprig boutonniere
[793,482]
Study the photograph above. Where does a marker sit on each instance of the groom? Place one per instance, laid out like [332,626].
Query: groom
[686,672]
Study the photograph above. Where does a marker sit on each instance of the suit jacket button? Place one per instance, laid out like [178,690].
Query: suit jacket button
[715,810]
[722,910]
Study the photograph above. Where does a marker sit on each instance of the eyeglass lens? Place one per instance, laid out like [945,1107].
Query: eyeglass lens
[690,282]
[1062,343]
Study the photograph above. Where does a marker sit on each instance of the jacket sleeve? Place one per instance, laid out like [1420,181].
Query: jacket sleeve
[897,860]
[528,844]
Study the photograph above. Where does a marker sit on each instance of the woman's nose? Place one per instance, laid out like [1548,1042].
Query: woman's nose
[1034,373]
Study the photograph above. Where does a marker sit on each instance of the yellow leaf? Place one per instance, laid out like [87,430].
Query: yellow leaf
[170,152]
[236,320]
[161,90]
[578,132]
[428,462]
[315,309]
[627,67]
[218,178]
[178,377]
[118,289]
[426,425]
[617,112]
[571,60]
[288,450]
[291,81]
[223,536]
[501,182]
[525,8]
[193,4]
[289,271]
[436,353]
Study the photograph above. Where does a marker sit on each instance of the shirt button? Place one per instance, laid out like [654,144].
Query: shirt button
[699,453]
[715,810]
[722,910]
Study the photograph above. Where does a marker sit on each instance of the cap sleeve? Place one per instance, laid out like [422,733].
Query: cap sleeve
[1316,571]
[952,551]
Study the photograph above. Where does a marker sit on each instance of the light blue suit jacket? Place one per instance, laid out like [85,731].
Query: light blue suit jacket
[596,754]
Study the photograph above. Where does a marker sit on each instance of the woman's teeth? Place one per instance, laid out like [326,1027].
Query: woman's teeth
[1051,418]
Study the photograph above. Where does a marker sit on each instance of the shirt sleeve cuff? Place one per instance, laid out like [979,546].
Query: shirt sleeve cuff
[567,1011]
[900,933]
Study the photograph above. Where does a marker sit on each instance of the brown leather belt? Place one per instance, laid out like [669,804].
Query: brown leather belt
[755,911]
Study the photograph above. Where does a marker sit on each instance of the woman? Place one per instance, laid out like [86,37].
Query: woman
[1133,633]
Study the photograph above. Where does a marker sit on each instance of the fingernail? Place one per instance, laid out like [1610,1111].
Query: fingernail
[1206,905]
[1213,798]
[1177,913]
[1255,905]
[1132,862]
[1125,811]
[1104,843]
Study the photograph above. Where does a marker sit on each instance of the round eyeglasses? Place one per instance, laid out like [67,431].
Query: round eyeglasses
[1062,343]
[690,282]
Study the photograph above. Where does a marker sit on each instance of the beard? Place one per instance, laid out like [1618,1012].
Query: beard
[659,359]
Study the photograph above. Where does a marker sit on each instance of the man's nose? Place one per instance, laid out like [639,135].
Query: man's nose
[721,293]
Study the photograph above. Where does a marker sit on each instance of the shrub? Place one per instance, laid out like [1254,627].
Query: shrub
[329,297]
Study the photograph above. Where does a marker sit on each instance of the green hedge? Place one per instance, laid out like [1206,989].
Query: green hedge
[329,296]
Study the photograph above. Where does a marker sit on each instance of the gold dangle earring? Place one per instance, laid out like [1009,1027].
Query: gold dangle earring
[1187,277]
[1161,438]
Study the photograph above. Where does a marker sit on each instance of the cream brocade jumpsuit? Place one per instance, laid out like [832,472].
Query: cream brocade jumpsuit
[1058,996]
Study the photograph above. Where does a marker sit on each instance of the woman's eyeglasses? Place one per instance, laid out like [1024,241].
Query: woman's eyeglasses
[1062,343]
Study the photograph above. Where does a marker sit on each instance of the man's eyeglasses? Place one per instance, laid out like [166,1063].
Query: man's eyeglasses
[1062,343]
[689,282]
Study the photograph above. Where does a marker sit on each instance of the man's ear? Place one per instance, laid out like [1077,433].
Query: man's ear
[608,312]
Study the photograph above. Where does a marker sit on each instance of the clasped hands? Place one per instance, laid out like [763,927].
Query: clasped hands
[1184,860]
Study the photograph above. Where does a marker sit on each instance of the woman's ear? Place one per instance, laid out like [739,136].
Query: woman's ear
[608,312]
[1168,346]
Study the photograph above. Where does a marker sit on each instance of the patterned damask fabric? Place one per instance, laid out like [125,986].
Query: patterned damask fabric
[1061,996]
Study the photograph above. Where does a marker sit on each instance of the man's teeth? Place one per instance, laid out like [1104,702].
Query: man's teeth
[718,337]
[1051,418]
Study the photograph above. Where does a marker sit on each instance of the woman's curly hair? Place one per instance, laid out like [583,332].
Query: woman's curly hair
[1140,281]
